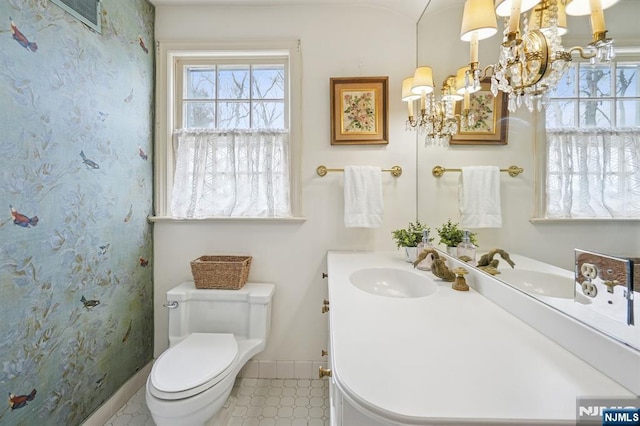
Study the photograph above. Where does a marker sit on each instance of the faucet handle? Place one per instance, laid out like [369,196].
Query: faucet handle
[611,284]
[460,284]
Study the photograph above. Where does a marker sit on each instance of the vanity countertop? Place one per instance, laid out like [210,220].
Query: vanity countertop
[451,357]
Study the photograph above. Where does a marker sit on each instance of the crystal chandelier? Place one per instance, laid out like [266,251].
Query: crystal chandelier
[532,59]
[437,119]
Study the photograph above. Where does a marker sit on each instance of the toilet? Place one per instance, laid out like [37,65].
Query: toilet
[212,334]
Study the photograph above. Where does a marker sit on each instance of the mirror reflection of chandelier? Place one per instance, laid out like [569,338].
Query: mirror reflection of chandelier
[436,119]
[532,59]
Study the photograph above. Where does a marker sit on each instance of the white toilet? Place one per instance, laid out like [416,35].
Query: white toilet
[212,334]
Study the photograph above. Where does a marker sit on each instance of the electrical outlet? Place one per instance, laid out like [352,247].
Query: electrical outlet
[589,271]
[589,289]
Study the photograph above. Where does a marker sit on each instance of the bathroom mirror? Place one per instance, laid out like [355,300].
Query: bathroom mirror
[551,243]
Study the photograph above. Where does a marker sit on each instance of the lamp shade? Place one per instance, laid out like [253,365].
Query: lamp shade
[582,7]
[540,18]
[503,7]
[422,81]
[478,18]
[407,95]
[460,81]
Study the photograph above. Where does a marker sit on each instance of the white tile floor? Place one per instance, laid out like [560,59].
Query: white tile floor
[253,402]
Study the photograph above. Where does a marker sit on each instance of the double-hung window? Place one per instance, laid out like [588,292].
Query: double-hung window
[592,124]
[229,150]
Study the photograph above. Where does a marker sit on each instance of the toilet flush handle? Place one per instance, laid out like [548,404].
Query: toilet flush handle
[171,305]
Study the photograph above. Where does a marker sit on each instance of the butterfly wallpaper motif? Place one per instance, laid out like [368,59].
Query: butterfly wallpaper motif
[75,191]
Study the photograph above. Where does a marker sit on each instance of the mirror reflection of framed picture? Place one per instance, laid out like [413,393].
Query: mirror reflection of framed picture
[491,119]
[359,111]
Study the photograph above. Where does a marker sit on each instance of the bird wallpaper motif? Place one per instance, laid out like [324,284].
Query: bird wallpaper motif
[75,191]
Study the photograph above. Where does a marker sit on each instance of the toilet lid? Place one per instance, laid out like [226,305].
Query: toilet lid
[198,359]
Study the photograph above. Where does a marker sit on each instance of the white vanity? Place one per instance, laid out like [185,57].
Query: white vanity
[443,357]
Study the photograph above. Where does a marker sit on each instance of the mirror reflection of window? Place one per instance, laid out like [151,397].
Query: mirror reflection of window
[593,140]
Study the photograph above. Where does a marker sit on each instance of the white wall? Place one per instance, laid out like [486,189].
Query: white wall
[360,41]
[336,42]
[440,47]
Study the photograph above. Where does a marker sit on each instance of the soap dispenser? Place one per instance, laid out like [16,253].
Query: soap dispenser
[466,250]
[425,265]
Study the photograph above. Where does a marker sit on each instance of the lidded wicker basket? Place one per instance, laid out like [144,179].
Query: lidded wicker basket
[221,272]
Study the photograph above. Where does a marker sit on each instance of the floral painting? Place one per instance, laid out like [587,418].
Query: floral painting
[482,104]
[359,111]
[489,124]
[75,247]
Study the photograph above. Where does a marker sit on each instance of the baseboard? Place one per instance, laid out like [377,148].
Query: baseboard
[261,369]
[120,398]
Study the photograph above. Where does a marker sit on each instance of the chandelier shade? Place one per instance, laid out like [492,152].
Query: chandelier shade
[583,7]
[407,94]
[503,7]
[422,81]
[478,19]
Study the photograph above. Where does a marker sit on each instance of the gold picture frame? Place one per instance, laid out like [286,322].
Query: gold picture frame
[359,111]
[492,118]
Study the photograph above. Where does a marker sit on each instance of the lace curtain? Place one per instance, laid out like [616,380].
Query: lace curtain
[231,173]
[593,173]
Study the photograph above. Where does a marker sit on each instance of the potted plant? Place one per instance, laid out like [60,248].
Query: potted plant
[408,238]
[451,235]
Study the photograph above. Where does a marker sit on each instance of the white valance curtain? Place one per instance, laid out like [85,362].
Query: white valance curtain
[593,173]
[232,173]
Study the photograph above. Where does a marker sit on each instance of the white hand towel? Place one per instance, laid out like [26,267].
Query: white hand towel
[363,205]
[479,197]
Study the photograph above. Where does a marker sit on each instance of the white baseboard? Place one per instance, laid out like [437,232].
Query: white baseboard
[120,398]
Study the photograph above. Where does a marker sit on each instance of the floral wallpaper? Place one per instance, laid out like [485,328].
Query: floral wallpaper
[75,191]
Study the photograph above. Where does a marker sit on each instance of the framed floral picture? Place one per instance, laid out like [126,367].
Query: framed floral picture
[359,111]
[491,119]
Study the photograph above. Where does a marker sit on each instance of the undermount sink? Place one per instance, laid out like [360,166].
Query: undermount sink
[540,283]
[392,282]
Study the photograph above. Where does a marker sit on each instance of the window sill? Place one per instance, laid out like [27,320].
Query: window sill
[169,219]
[544,220]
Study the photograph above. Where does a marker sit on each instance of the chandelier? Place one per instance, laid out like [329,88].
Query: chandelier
[532,59]
[436,118]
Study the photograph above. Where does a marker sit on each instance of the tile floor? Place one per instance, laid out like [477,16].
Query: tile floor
[253,402]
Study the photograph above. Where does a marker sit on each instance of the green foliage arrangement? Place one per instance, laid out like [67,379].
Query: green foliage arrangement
[411,236]
[451,234]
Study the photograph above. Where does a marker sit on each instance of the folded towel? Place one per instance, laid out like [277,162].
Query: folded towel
[479,197]
[363,206]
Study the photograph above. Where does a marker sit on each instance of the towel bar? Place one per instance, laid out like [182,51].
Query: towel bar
[513,171]
[323,170]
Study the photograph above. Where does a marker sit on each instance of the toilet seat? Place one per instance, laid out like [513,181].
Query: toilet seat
[193,365]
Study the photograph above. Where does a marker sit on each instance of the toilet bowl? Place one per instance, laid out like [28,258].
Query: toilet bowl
[212,334]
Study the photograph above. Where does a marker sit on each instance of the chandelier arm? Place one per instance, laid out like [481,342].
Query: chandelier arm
[485,71]
[582,53]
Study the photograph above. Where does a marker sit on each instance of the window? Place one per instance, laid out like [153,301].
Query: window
[602,96]
[592,166]
[230,148]
[249,95]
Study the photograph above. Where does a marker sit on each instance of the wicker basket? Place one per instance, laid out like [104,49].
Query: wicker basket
[223,272]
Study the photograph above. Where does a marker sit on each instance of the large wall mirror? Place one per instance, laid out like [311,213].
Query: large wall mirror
[550,242]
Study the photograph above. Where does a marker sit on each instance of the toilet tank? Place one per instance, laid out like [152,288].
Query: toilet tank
[245,312]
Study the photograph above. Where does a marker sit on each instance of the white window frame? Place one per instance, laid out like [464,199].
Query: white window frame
[623,54]
[165,121]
